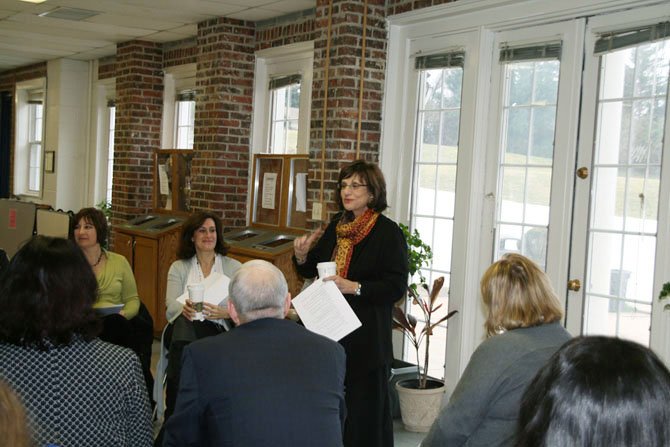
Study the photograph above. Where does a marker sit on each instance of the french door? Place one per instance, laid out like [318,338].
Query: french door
[619,251]
[576,165]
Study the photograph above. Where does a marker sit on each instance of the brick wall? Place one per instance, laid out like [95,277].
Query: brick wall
[106,67]
[301,30]
[180,52]
[224,89]
[400,6]
[343,90]
[139,102]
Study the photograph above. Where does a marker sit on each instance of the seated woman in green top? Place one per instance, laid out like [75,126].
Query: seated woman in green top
[116,282]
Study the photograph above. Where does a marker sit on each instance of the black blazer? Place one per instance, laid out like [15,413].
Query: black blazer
[379,263]
[269,382]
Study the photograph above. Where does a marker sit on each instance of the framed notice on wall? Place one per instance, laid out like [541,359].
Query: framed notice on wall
[49,161]
[279,191]
[268,180]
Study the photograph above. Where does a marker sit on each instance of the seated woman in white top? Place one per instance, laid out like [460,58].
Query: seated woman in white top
[201,253]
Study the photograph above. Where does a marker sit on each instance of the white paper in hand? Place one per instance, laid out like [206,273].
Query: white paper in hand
[323,310]
[216,289]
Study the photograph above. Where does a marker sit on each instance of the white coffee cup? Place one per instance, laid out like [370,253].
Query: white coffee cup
[326,269]
[196,293]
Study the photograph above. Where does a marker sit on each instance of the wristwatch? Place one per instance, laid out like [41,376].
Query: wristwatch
[357,292]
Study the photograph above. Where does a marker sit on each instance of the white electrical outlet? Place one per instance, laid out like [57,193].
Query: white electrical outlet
[316,211]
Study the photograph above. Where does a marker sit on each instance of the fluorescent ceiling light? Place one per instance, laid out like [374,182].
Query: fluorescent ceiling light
[34,1]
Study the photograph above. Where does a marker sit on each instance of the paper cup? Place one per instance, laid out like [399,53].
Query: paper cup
[326,269]
[196,293]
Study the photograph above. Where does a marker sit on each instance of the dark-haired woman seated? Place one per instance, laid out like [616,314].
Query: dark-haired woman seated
[598,392]
[115,277]
[201,253]
[77,389]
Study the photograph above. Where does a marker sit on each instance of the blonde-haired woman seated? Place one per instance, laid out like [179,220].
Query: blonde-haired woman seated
[524,330]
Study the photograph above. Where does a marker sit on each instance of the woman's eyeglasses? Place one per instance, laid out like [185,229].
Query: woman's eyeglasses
[353,186]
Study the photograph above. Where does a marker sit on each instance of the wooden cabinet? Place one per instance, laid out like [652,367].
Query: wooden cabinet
[282,259]
[150,252]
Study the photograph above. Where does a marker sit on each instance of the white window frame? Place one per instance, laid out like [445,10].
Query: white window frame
[179,129]
[103,91]
[423,30]
[177,79]
[111,128]
[283,61]
[283,119]
[23,140]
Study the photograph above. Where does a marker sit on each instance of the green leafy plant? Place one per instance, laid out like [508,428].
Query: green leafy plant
[665,292]
[419,255]
[106,207]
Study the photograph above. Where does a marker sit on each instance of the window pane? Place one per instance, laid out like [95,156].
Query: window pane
[429,131]
[520,83]
[528,120]
[513,193]
[517,132]
[625,189]
[110,152]
[444,230]
[449,136]
[446,191]
[434,183]
[425,196]
[284,119]
[185,120]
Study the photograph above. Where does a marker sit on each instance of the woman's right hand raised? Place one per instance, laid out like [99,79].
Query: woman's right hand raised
[302,244]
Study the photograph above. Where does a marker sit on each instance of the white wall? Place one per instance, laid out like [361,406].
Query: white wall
[67,124]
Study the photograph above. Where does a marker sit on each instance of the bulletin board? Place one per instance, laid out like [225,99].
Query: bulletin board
[172,181]
[297,204]
[280,191]
[268,183]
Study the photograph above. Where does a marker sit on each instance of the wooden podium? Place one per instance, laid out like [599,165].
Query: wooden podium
[149,243]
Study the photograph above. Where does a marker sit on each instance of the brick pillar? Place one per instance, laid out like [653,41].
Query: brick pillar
[139,106]
[224,89]
[343,90]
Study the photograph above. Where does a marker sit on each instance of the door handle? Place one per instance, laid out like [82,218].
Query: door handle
[583,172]
[574,285]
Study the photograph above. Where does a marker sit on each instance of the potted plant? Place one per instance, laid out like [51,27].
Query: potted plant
[420,398]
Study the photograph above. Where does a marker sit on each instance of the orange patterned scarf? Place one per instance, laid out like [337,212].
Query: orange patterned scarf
[350,234]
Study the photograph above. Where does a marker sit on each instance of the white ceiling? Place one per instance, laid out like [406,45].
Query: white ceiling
[27,38]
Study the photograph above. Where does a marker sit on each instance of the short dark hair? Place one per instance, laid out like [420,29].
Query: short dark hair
[373,178]
[47,295]
[186,248]
[598,391]
[96,218]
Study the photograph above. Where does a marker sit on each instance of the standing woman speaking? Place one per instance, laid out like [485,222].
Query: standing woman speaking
[371,256]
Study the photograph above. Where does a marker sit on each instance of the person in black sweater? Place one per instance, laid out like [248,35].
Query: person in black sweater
[371,256]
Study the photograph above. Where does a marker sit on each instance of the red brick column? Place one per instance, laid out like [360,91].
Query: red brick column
[224,89]
[344,70]
[139,105]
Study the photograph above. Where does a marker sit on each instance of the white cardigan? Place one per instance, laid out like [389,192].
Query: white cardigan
[178,276]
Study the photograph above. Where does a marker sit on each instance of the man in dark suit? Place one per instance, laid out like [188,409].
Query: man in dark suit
[269,382]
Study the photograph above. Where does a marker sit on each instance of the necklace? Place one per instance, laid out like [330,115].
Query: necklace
[99,259]
[201,274]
